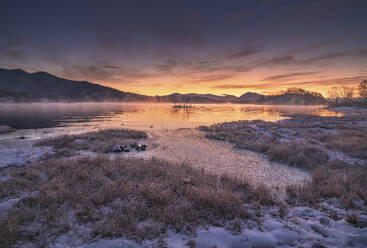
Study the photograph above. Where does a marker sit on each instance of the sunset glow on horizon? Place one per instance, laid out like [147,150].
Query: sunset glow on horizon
[163,47]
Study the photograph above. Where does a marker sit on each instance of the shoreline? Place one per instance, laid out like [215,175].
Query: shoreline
[277,214]
[185,145]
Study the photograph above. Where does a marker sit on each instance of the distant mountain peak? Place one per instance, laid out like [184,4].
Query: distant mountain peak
[251,93]
[17,85]
[41,73]
[250,97]
[20,85]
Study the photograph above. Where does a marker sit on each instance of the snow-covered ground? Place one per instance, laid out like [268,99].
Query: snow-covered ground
[178,146]
[23,156]
[16,148]
[301,227]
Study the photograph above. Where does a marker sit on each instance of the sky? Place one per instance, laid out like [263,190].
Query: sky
[161,47]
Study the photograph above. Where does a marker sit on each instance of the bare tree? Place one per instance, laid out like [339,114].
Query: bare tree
[334,93]
[362,90]
[347,93]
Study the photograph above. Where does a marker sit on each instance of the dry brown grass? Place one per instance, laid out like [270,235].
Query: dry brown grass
[9,234]
[298,154]
[134,198]
[99,141]
[352,142]
[302,141]
[306,142]
[335,179]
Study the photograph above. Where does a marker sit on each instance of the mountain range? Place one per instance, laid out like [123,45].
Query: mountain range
[17,85]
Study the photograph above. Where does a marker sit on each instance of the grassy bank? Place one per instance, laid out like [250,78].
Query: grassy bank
[334,179]
[132,198]
[101,141]
[90,198]
[333,149]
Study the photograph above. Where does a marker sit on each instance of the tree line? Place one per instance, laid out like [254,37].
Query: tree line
[297,91]
[345,95]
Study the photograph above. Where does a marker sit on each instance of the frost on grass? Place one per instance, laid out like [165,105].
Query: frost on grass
[335,179]
[23,155]
[100,141]
[303,141]
[309,142]
[133,198]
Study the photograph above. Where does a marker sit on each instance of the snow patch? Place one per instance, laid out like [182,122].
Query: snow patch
[111,243]
[5,206]
[301,227]
[22,155]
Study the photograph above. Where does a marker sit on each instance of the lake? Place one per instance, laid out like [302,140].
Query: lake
[142,115]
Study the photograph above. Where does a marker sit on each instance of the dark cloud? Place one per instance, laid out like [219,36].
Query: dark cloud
[235,69]
[324,44]
[289,76]
[87,72]
[240,86]
[180,41]
[217,63]
[333,81]
[316,46]
[12,48]
[225,61]
[13,55]
[244,52]
[211,78]
[329,56]
[167,66]
[276,61]
[336,55]
[289,60]
[114,67]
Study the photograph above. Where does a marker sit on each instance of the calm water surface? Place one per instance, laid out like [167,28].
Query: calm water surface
[141,115]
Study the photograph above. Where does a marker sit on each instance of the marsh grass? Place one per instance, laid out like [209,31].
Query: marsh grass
[133,198]
[297,153]
[99,141]
[9,234]
[334,179]
[306,142]
[351,142]
[302,141]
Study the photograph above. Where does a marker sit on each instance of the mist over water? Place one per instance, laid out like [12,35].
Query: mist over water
[141,115]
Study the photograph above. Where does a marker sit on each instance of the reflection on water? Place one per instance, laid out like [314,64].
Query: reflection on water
[142,115]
